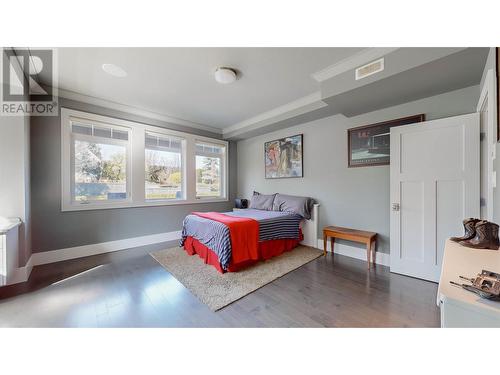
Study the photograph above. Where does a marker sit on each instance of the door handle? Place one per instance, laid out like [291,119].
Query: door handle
[395,207]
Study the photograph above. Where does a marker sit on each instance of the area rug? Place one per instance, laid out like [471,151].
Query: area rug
[218,290]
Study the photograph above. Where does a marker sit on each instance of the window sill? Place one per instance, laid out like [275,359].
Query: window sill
[111,206]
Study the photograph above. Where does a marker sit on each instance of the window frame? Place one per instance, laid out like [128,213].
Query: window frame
[223,167]
[136,163]
[183,165]
[109,141]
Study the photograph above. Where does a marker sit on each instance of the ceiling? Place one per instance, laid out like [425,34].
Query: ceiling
[276,87]
[179,82]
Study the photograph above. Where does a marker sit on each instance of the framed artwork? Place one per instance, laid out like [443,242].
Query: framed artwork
[283,157]
[371,144]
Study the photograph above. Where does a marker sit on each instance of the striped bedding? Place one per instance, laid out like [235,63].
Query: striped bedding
[215,235]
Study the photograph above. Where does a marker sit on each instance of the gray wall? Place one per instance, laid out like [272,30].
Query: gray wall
[352,197]
[53,229]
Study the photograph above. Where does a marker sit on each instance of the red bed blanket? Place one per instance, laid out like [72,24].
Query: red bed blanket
[244,233]
[267,250]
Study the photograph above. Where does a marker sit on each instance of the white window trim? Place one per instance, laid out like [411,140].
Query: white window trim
[136,163]
[183,169]
[89,138]
[223,167]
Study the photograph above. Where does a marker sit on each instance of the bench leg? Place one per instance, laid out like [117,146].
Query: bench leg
[325,239]
[332,242]
[368,253]
[374,248]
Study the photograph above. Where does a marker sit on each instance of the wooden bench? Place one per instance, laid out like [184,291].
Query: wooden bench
[368,238]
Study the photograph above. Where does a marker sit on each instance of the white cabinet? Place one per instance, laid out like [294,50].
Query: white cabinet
[9,252]
[460,308]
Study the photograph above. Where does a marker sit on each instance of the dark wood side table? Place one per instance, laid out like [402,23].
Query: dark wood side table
[368,238]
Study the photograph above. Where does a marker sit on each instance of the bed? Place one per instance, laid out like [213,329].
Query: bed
[232,241]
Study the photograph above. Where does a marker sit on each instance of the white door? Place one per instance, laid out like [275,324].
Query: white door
[434,186]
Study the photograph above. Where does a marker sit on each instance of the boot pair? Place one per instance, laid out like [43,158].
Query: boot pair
[479,234]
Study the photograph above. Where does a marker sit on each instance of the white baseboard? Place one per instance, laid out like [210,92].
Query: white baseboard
[356,252]
[101,248]
[22,274]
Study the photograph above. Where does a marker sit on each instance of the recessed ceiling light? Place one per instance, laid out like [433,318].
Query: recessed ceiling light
[225,75]
[114,70]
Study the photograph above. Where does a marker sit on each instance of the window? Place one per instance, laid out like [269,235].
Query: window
[164,177]
[112,163]
[209,170]
[99,163]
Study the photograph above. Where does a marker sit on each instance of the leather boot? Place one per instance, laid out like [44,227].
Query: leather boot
[470,230]
[486,236]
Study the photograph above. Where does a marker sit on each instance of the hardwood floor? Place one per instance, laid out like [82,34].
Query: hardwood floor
[130,289]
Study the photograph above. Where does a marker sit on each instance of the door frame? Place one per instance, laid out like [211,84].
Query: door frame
[488,101]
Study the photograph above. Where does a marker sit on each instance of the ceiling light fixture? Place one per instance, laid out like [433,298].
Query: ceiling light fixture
[114,70]
[225,75]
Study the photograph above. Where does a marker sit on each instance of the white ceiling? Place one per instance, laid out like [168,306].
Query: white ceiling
[178,82]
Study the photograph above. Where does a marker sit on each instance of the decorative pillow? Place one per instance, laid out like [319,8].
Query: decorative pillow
[290,203]
[262,201]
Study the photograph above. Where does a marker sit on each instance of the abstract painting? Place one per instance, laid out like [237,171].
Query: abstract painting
[283,157]
[371,144]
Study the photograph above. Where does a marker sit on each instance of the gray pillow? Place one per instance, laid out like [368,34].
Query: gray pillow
[262,202]
[290,203]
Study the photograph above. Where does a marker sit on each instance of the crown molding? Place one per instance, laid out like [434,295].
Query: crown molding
[352,62]
[297,107]
[135,110]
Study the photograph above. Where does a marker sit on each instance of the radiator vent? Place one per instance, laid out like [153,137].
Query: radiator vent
[370,68]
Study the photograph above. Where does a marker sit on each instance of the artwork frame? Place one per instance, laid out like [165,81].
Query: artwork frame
[288,165]
[363,155]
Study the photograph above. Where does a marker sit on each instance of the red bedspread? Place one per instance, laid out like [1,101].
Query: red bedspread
[244,233]
[267,250]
